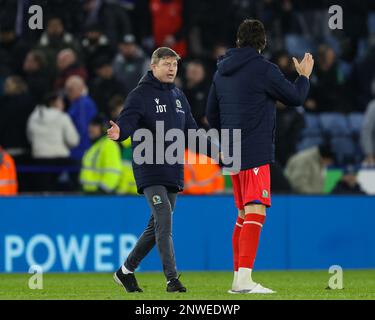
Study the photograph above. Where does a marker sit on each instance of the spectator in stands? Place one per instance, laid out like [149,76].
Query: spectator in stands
[362,78]
[111,16]
[368,134]
[327,84]
[196,90]
[218,51]
[289,121]
[166,21]
[95,44]
[283,59]
[306,170]
[82,110]
[105,85]
[101,164]
[201,178]
[12,49]
[55,39]
[208,23]
[280,184]
[15,108]
[115,106]
[67,66]
[348,183]
[131,63]
[289,124]
[36,75]
[52,134]
[290,21]
[8,175]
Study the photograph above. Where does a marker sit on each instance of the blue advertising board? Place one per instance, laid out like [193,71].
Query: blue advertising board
[95,234]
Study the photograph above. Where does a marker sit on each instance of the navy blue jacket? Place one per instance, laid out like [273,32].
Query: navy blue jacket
[243,95]
[149,102]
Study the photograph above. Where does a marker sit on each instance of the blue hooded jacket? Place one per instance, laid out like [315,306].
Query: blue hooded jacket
[149,102]
[82,111]
[243,95]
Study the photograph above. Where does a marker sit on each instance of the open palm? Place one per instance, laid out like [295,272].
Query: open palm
[114,131]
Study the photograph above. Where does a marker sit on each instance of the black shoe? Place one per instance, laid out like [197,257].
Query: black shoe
[128,281]
[175,285]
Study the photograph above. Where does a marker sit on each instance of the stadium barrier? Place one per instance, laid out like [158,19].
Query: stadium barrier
[95,234]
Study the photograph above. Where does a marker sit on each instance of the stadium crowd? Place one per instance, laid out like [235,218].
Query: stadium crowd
[59,87]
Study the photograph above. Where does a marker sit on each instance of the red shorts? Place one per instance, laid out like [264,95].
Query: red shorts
[252,186]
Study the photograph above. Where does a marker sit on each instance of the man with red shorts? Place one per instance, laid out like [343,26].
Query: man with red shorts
[243,95]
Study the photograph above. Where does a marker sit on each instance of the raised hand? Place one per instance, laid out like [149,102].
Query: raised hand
[305,67]
[114,131]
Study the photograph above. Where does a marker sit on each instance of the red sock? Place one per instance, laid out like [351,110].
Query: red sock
[249,239]
[236,242]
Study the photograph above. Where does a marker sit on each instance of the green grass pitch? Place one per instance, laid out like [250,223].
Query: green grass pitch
[358,284]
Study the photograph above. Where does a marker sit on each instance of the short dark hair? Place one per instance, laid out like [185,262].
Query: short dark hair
[39,57]
[326,151]
[163,52]
[100,120]
[116,101]
[50,98]
[251,33]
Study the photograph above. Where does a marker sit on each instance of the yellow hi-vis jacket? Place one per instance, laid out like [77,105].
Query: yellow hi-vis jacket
[102,167]
[127,183]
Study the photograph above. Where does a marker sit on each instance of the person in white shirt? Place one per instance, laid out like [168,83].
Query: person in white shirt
[52,134]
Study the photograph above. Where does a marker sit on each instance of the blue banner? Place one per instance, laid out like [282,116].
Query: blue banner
[95,234]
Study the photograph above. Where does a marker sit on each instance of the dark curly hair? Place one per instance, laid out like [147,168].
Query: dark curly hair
[251,33]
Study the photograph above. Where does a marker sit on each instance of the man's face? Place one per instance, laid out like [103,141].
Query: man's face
[165,70]
[55,28]
[114,113]
[105,72]
[72,91]
[327,161]
[30,64]
[93,36]
[195,73]
[128,50]
[95,131]
[7,36]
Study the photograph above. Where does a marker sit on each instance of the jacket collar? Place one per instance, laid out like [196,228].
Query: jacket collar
[150,79]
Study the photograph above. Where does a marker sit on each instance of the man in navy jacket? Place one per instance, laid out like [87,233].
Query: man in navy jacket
[242,96]
[155,101]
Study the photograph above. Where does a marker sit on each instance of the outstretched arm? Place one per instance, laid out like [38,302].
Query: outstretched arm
[129,118]
[281,89]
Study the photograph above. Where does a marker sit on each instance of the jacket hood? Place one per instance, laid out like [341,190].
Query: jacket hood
[235,58]
[42,114]
[149,79]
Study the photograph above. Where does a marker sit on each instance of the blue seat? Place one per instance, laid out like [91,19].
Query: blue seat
[297,45]
[334,124]
[308,142]
[345,68]
[312,125]
[371,22]
[355,120]
[344,149]
[334,43]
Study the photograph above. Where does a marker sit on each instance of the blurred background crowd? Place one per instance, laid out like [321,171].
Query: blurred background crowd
[59,87]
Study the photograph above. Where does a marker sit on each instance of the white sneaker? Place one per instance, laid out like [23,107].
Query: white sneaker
[243,287]
[259,289]
[234,283]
